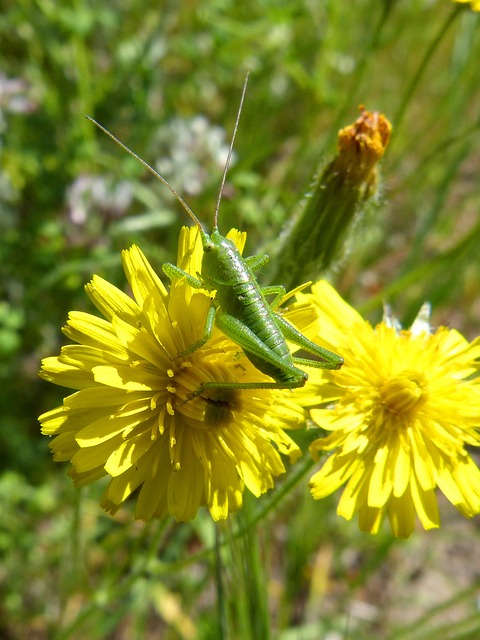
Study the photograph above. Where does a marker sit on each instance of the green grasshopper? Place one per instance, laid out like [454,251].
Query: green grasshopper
[239,307]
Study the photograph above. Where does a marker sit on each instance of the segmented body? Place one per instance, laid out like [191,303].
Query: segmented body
[239,296]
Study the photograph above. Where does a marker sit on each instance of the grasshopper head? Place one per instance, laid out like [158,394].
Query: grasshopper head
[219,257]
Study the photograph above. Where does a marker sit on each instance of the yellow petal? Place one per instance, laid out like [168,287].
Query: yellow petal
[111,425]
[128,378]
[426,506]
[93,457]
[110,300]
[139,343]
[143,280]
[128,453]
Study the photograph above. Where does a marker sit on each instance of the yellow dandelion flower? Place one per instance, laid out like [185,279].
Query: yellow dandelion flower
[401,413]
[474,4]
[132,418]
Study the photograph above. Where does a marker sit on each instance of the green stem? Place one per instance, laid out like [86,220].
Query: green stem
[414,82]
[254,576]
[278,495]
[220,588]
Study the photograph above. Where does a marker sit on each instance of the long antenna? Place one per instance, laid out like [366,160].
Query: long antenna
[151,169]
[229,156]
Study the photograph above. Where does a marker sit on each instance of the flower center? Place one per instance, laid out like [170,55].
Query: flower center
[212,407]
[404,391]
[220,405]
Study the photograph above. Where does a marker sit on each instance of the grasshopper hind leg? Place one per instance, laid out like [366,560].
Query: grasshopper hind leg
[232,386]
[220,405]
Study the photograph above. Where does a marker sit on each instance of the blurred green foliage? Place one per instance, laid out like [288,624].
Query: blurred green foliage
[166,78]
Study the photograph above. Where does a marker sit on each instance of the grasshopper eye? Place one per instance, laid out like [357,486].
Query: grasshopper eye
[208,246]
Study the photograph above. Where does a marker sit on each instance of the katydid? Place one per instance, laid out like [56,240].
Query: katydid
[239,307]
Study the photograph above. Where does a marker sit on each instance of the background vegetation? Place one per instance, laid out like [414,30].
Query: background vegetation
[166,78]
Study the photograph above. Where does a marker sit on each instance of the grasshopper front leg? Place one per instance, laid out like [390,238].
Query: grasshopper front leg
[257,262]
[173,272]
[278,291]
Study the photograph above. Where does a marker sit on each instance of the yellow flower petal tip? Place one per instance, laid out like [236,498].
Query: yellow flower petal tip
[402,414]
[132,418]
[474,4]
